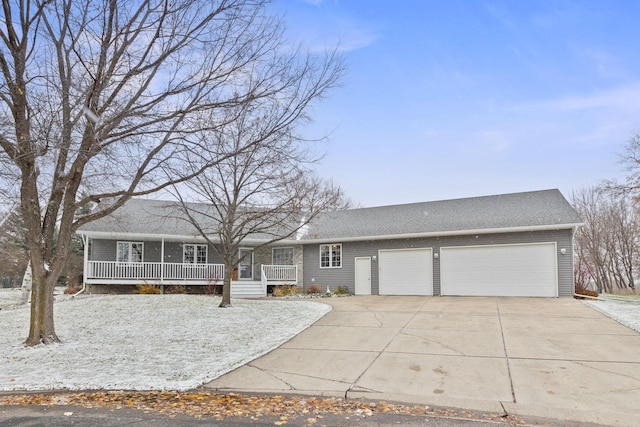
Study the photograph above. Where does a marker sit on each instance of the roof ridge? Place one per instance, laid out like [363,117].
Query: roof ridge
[456,199]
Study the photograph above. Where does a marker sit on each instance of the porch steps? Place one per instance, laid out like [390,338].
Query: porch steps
[247,289]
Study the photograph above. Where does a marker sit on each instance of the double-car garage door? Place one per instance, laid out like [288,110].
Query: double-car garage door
[488,270]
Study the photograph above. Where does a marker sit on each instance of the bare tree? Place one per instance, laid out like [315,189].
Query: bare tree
[13,253]
[265,193]
[630,158]
[108,99]
[608,245]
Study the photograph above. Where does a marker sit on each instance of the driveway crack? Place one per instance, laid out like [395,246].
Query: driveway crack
[606,371]
[380,323]
[273,375]
[506,356]
[400,331]
[433,342]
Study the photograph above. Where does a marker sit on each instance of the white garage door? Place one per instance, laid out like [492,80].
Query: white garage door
[500,270]
[405,272]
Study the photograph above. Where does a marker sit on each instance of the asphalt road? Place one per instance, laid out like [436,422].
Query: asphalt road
[59,416]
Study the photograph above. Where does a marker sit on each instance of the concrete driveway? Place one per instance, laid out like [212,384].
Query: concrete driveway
[554,358]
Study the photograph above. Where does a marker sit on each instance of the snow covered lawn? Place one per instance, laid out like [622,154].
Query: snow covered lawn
[146,342]
[621,309]
[10,297]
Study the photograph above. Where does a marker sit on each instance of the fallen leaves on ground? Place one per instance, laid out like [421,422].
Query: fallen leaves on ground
[277,409]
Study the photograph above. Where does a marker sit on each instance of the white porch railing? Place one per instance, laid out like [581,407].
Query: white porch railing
[280,273]
[193,271]
[153,270]
[158,271]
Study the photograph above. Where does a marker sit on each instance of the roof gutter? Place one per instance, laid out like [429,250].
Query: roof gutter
[141,236]
[151,236]
[308,240]
[572,226]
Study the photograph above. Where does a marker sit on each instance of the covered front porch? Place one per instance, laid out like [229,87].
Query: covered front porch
[165,273]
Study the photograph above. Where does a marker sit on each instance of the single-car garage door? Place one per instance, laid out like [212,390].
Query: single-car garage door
[499,270]
[405,272]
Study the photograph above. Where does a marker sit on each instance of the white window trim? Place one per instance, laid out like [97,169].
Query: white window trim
[130,244]
[282,247]
[195,253]
[330,255]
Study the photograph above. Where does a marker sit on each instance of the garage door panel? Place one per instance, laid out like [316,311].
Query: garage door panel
[500,270]
[405,272]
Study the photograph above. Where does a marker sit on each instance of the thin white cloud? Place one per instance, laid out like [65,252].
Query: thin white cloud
[356,38]
[622,97]
[322,25]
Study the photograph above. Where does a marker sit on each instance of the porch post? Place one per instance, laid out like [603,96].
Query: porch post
[162,263]
[85,268]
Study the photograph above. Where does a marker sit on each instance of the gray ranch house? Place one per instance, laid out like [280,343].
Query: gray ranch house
[518,244]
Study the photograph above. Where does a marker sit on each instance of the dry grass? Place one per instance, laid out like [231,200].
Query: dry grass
[148,289]
[314,289]
[284,290]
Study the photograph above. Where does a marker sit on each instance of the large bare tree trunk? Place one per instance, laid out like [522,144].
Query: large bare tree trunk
[42,328]
[226,284]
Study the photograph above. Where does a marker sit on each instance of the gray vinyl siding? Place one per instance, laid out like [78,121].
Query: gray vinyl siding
[105,250]
[173,252]
[345,276]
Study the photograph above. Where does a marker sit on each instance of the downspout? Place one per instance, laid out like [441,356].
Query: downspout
[84,288]
[85,242]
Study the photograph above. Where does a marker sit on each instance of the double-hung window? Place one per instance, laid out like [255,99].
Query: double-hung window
[282,256]
[331,256]
[194,254]
[130,252]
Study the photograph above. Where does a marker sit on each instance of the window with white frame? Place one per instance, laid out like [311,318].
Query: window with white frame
[130,252]
[282,256]
[194,254]
[331,256]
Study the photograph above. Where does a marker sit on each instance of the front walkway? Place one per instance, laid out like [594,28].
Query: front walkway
[542,357]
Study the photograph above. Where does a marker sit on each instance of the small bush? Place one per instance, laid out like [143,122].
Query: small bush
[213,286]
[341,290]
[148,289]
[581,290]
[284,290]
[70,290]
[314,289]
[175,289]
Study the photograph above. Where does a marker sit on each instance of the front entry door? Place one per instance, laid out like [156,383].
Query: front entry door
[246,263]
[363,275]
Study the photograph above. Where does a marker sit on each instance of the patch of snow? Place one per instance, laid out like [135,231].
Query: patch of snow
[10,297]
[18,297]
[626,312]
[146,342]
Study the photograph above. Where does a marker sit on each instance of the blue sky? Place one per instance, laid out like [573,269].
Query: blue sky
[461,98]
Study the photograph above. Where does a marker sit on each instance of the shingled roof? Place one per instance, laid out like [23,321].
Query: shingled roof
[546,209]
[144,217]
[535,210]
